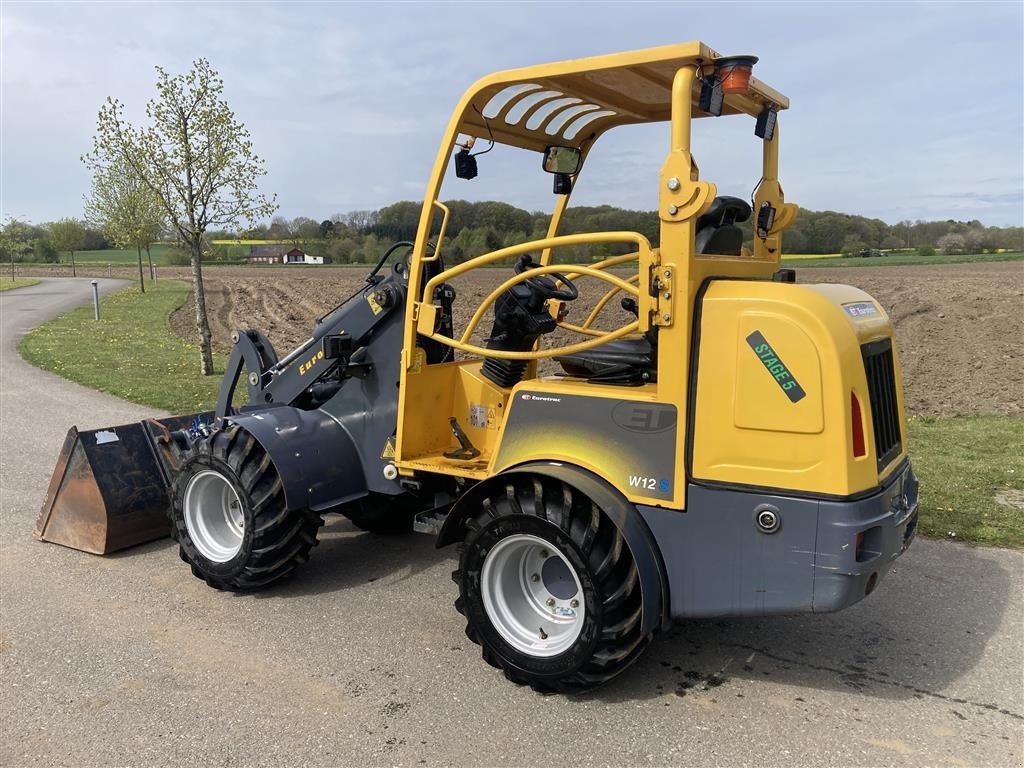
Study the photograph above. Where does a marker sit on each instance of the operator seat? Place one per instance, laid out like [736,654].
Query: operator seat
[633,361]
[717,232]
[623,361]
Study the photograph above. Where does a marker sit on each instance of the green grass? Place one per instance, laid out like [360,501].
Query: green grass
[901,260]
[131,352]
[7,284]
[117,256]
[963,462]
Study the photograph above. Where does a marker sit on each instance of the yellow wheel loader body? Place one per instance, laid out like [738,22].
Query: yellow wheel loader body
[733,445]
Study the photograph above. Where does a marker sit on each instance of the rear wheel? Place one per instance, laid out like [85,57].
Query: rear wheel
[549,588]
[230,517]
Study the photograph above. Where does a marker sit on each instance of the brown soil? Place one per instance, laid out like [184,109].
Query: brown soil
[959,327]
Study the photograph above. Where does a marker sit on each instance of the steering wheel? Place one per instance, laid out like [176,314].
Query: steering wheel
[546,286]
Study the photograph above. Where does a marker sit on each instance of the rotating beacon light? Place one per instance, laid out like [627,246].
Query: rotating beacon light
[733,73]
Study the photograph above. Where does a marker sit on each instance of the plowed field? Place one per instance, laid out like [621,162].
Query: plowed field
[959,327]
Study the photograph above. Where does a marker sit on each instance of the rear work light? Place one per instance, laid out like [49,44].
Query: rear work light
[857,427]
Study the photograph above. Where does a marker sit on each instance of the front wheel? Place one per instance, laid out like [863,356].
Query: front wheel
[549,588]
[230,517]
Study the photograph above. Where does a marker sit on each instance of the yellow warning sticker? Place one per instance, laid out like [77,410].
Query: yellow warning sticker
[389,449]
[377,308]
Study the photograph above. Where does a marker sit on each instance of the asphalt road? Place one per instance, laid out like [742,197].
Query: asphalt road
[361,658]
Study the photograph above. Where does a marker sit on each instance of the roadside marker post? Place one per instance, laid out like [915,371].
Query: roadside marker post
[96,298]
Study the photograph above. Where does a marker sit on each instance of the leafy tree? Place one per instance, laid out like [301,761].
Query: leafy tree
[15,241]
[974,238]
[68,235]
[196,157]
[952,243]
[43,250]
[852,244]
[95,240]
[126,209]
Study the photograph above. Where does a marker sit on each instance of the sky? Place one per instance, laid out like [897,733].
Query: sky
[898,110]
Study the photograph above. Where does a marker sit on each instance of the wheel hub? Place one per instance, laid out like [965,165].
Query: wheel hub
[214,516]
[532,595]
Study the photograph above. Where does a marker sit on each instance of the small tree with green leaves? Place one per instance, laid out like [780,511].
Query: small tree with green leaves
[15,241]
[68,235]
[198,160]
[127,210]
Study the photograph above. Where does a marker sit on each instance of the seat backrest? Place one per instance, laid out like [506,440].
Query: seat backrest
[714,234]
[723,241]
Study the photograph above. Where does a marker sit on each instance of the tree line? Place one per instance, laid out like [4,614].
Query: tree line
[478,227]
[360,237]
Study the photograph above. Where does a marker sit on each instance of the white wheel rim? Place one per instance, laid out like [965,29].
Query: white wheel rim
[532,595]
[214,516]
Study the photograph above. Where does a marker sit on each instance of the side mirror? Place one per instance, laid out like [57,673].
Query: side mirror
[562,160]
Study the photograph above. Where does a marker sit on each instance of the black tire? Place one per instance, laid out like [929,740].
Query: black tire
[611,637]
[274,541]
[387,515]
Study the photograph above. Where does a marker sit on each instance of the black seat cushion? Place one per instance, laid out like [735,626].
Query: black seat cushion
[623,361]
[717,232]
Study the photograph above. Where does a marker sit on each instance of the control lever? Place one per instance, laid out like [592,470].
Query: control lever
[466,449]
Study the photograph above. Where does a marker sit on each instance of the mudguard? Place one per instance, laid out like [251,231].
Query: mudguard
[314,455]
[625,516]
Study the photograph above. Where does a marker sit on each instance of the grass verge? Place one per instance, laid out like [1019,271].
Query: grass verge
[965,464]
[131,352]
[900,260]
[118,256]
[971,470]
[18,282]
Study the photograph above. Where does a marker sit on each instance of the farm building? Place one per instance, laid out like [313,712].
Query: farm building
[272,254]
[275,259]
[298,256]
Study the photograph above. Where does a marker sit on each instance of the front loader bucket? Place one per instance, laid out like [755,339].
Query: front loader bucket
[109,488]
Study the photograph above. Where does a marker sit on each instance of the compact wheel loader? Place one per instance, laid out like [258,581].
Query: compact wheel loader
[720,442]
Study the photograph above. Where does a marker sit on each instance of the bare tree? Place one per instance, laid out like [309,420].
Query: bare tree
[196,157]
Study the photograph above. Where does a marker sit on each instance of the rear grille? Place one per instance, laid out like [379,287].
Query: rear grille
[885,412]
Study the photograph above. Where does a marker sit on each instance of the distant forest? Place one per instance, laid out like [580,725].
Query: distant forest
[476,228]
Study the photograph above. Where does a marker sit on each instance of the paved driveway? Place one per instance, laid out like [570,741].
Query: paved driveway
[361,659]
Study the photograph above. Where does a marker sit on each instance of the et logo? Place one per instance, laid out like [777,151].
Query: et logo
[643,417]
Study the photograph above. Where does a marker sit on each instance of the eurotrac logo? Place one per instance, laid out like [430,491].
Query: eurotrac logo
[540,398]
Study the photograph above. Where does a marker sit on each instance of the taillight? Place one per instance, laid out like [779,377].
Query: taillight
[857,427]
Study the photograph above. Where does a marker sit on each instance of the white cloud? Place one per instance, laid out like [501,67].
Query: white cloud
[894,113]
